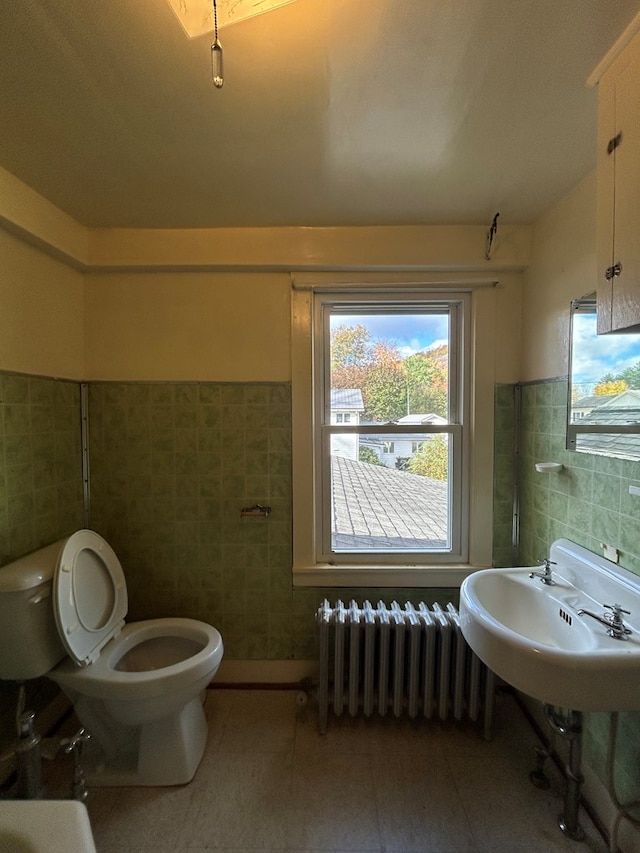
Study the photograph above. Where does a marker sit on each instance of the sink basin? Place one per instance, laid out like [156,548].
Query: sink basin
[45,826]
[532,636]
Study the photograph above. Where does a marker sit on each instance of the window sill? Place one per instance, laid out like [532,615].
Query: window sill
[382,576]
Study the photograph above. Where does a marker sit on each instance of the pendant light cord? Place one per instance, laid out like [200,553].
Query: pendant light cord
[217,72]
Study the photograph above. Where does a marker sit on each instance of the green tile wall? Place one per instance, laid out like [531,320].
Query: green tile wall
[40,463]
[504,474]
[172,465]
[40,490]
[589,503]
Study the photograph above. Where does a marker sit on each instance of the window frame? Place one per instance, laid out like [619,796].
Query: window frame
[479,348]
[457,306]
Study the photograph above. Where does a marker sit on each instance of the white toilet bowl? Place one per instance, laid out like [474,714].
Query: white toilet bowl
[141,702]
[171,660]
[136,687]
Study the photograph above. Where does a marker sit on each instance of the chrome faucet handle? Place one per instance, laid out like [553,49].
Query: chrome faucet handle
[545,575]
[614,622]
[618,628]
[617,610]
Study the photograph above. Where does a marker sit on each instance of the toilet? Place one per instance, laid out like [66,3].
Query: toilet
[136,687]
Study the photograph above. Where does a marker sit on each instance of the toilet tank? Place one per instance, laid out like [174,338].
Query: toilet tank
[29,641]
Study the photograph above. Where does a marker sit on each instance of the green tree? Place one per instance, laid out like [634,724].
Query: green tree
[366,454]
[432,459]
[631,375]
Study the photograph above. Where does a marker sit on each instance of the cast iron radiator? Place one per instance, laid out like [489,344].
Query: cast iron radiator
[409,660]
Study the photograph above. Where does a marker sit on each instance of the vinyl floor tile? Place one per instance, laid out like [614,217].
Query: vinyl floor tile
[270,782]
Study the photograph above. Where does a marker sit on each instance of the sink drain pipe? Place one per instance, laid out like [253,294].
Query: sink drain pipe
[569,726]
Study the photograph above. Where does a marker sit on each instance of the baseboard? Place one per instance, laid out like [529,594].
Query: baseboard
[281,673]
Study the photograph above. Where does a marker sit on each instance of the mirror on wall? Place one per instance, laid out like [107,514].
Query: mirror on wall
[604,387]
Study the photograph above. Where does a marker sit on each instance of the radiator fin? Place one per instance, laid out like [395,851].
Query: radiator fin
[409,660]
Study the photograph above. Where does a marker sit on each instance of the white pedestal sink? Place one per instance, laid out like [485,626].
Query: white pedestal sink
[45,826]
[536,637]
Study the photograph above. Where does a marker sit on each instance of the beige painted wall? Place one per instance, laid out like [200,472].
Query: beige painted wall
[41,312]
[232,327]
[563,267]
[225,327]
[508,353]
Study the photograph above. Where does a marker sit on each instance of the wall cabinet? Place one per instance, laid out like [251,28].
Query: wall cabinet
[619,193]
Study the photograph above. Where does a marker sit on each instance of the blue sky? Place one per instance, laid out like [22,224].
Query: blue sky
[410,332]
[596,355]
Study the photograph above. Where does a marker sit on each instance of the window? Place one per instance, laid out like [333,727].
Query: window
[604,387]
[403,358]
[385,500]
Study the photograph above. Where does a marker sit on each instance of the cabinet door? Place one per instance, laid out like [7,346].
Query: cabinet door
[619,193]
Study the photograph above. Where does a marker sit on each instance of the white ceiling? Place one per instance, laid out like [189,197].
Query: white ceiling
[333,112]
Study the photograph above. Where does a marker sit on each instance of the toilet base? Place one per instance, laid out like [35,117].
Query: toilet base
[163,752]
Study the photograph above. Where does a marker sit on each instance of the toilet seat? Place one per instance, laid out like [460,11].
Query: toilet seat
[89,595]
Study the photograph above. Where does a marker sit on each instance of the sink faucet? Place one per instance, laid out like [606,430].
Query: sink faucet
[614,622]
[545,575]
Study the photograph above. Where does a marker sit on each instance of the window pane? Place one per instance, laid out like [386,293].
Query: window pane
[383,507]
[390,365]
[390,490]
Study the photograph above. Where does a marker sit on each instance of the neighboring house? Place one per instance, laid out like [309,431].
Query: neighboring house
[346,408]
[621,410]
[394,450]
[585,405]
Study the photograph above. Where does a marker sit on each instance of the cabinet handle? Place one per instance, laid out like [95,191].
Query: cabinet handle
[613,272]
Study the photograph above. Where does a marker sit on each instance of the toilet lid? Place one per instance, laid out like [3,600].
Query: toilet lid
[90,595]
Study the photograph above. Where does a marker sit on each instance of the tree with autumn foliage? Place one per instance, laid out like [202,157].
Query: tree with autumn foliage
[384,388]
[351,356]
[610,387]
[392,386]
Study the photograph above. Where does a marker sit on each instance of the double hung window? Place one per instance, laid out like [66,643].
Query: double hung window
[383,494]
